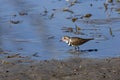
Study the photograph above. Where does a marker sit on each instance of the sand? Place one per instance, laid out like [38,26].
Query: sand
[24,68]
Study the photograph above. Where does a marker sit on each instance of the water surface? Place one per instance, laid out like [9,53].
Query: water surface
[36,27]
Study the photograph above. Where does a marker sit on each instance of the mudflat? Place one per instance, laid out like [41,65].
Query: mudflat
[69,69]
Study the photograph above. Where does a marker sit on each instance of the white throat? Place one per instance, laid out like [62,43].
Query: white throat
[67,42]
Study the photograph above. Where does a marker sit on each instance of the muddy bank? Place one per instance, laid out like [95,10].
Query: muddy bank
[70,69]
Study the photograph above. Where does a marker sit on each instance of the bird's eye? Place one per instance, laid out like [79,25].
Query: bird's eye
[65,38]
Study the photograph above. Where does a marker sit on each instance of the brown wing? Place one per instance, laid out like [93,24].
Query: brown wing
[75,41]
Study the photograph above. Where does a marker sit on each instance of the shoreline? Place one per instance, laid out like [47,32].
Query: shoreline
[69,69]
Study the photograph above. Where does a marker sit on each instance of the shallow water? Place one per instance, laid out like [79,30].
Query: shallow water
[36,27]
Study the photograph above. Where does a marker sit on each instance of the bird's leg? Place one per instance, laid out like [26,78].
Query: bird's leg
[78,48]
[75,48]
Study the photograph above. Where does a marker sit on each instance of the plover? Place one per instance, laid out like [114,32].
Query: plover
[75,41]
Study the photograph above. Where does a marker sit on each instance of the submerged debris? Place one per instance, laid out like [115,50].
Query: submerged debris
[51,37]
[13,56]
[87,15]
[118,10]
[23,13]
[52,16]
[111,32]
[74,19]
[91,4]
[118,0]
[15,22]
[45,12]
[110,1]
[35,55]
[76,29]
[106,6]
[72,3]
[67,29]
[67,10]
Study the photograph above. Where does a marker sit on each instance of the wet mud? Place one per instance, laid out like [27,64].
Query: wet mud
[69,69]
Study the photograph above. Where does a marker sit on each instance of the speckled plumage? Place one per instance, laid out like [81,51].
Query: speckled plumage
[75,41]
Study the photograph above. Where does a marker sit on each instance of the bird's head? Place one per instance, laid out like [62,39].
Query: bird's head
[66,39]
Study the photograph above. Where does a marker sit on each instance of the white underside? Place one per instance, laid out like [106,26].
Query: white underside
[68,42]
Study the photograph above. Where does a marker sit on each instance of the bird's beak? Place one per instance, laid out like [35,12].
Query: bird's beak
[61,40]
